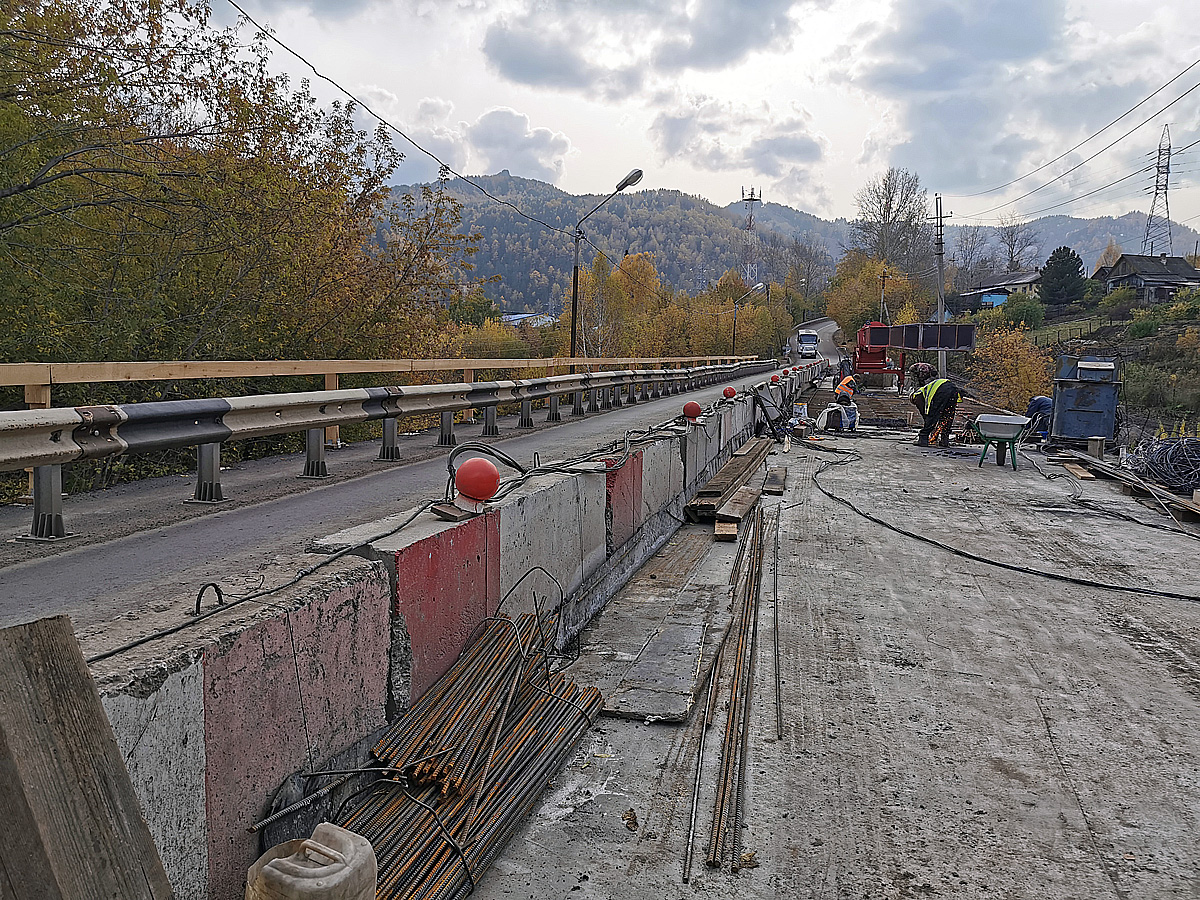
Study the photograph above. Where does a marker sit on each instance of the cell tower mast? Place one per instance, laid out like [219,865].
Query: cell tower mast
[750,242]
[1158,223]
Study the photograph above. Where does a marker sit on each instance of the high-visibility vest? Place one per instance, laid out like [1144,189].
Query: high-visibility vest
[846,387]
[926,394]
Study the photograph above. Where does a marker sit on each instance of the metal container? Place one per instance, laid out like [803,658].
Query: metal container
[1085,399]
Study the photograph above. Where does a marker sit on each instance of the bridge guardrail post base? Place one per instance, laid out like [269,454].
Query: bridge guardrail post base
[526,420]
[577,403]
[631,393]
[314,454]
[446,433]
[552,413]
[208,475]
[490,428]
[389,450]
[593,401]
[48,524]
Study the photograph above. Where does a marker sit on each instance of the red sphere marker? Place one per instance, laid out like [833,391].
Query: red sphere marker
[692,409]
[477,479]
[729,393]
[774,379]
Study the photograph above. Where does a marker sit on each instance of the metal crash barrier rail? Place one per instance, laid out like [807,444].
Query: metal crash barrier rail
[46,439]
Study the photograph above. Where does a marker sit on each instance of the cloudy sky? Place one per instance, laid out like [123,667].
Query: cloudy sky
[804,100]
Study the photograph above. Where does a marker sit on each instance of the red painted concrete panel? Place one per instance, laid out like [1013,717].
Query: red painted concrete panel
[446,585]
[255,689]
[623,496]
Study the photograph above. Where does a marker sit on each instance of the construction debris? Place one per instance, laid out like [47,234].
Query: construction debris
[776,481]
[721,488]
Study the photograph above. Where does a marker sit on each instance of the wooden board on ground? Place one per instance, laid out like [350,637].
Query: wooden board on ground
[776,482]
[722,486]
[725,531]
[72,827]
[1079,471]
[741,503]
[1134,484]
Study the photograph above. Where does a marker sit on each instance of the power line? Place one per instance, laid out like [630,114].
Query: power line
[1086,139]
[1090,158]
[394,128]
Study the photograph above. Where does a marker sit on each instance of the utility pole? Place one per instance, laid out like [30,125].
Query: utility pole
[940,250]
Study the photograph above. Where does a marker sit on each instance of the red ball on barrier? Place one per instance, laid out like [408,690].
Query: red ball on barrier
[692,409]
[477,479]
[729,393]
[774,379]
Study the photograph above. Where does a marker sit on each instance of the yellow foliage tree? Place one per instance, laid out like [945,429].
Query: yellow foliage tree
[1010,368]
[853,296]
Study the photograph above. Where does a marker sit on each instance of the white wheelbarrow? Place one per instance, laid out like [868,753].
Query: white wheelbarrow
[1004,432]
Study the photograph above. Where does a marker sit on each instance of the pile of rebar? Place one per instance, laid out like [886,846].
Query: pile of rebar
[1172,462]
[469,761]
[725,837]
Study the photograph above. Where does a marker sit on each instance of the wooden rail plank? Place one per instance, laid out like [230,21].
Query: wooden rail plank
[72,828]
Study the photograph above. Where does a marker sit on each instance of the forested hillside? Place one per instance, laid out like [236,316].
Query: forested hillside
[693,242]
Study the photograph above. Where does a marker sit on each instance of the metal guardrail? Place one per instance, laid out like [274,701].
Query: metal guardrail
[46,439]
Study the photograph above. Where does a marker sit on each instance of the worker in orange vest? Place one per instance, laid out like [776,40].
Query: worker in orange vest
[846,388]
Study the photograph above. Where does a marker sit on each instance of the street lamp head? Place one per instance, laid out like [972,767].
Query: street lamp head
[629,180]
[758,287]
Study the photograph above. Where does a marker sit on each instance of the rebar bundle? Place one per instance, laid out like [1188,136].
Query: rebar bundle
[1172,462]
[470,760]
[725,837]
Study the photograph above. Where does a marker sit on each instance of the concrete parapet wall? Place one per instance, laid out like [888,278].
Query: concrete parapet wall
[212,733]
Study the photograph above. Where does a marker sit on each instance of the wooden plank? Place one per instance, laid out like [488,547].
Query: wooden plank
[776,482]
[740,504]
[1079,471]
[71,827]
[725,531]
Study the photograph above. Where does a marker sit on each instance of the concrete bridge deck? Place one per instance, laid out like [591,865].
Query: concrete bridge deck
[951,728]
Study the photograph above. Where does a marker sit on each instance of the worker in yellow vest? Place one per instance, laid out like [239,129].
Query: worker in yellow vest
[846,388]
[937,399]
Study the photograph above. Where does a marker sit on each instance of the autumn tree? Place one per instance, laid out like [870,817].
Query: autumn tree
[1111,253]
[1009,369]
[973,257]
[893,222]
[853,297]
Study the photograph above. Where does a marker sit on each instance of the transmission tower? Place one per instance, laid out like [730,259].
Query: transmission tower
[750,242]
[1158,223]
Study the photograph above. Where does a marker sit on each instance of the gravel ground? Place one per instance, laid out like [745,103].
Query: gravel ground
[950,728]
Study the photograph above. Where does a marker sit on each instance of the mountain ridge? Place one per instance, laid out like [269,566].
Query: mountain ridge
[693,240]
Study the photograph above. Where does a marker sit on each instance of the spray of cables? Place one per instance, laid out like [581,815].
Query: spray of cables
[1172,462]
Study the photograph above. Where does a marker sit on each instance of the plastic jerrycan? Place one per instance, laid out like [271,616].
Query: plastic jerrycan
[333,864]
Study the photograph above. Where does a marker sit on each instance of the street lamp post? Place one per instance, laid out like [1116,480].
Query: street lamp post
[628,181]
[755,289]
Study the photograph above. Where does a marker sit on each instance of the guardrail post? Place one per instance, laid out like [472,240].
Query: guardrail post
[553,415]
[208,474]
[48,522]
[615,402]
[314,454]
[469,412]
[389,451]
[577,403]
[656,387]
[333,433]
[631,394]
[646,390]
[526,420]
[446,435]
[490,429]
[604,398]
[593,401]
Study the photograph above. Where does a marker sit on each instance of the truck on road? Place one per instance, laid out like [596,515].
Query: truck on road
[807,342]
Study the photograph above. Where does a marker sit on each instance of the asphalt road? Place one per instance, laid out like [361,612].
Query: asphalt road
[140,545]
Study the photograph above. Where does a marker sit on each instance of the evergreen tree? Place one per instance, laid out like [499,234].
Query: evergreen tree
[1062,278]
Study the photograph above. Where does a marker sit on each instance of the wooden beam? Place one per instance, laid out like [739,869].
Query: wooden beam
[71,827]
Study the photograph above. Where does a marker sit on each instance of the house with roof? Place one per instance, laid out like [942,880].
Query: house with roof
[531,320]
[1155,279]
[994,291]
